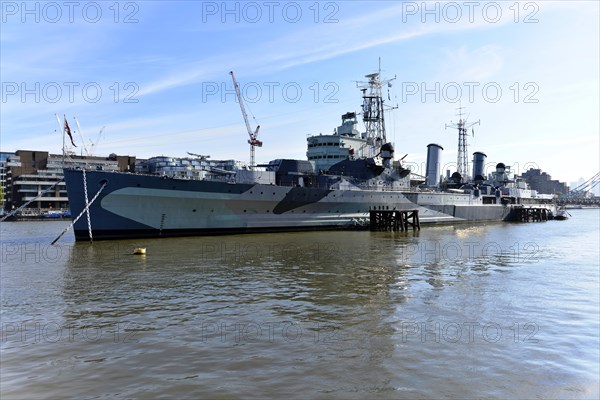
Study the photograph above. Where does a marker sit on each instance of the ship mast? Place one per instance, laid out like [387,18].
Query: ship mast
[373,111]
[462,162]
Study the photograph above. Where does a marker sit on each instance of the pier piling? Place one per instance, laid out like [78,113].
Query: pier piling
[531,214]
[394,220]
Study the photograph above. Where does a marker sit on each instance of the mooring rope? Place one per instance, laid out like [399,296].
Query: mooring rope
[86,209]
[89,222]
[30,201]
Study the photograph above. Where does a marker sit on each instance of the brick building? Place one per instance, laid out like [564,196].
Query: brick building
[28,173]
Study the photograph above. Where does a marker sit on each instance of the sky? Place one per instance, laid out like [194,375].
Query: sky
[149,78]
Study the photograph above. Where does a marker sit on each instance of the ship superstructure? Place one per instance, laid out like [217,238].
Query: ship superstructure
[346,174]
[345,143]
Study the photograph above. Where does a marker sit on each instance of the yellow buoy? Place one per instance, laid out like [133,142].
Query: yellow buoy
[139,250]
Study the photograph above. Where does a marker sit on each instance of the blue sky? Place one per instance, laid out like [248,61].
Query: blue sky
[155,74]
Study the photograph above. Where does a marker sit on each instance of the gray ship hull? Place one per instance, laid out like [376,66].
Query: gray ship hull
[132,205]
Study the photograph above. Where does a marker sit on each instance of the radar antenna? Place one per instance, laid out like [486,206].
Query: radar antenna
[373,110]
[462,162]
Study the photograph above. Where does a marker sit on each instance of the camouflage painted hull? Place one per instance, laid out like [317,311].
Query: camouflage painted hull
[133,206]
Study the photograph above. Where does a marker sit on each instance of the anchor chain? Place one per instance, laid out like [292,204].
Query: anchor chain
[86,209]
[89,222]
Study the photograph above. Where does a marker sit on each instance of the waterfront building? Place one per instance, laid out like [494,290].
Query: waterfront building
[3,159]
[543,182]
[188,167]
[28,173]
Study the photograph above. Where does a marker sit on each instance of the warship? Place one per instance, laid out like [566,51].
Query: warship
[346,174]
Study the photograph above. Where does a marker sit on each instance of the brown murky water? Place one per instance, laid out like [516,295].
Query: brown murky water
[465,311]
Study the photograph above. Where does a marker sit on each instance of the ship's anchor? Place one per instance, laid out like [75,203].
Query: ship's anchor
[85,210]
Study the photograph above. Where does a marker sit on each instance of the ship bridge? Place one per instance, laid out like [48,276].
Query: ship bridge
[345,143]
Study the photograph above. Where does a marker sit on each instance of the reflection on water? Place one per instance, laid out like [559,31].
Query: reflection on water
[493,310]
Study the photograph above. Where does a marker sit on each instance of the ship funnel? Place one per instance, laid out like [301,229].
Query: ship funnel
[432,171]
[478,166]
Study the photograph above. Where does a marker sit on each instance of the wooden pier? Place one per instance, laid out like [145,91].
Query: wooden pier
[394,220]
[532,214]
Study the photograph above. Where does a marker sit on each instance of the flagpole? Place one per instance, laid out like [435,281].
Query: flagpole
[62,129]
[63,161]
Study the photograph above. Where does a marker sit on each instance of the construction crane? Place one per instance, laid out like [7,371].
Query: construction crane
[89,151]
[253,141]
[94,144]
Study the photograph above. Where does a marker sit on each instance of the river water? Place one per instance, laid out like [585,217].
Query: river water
[494,310]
